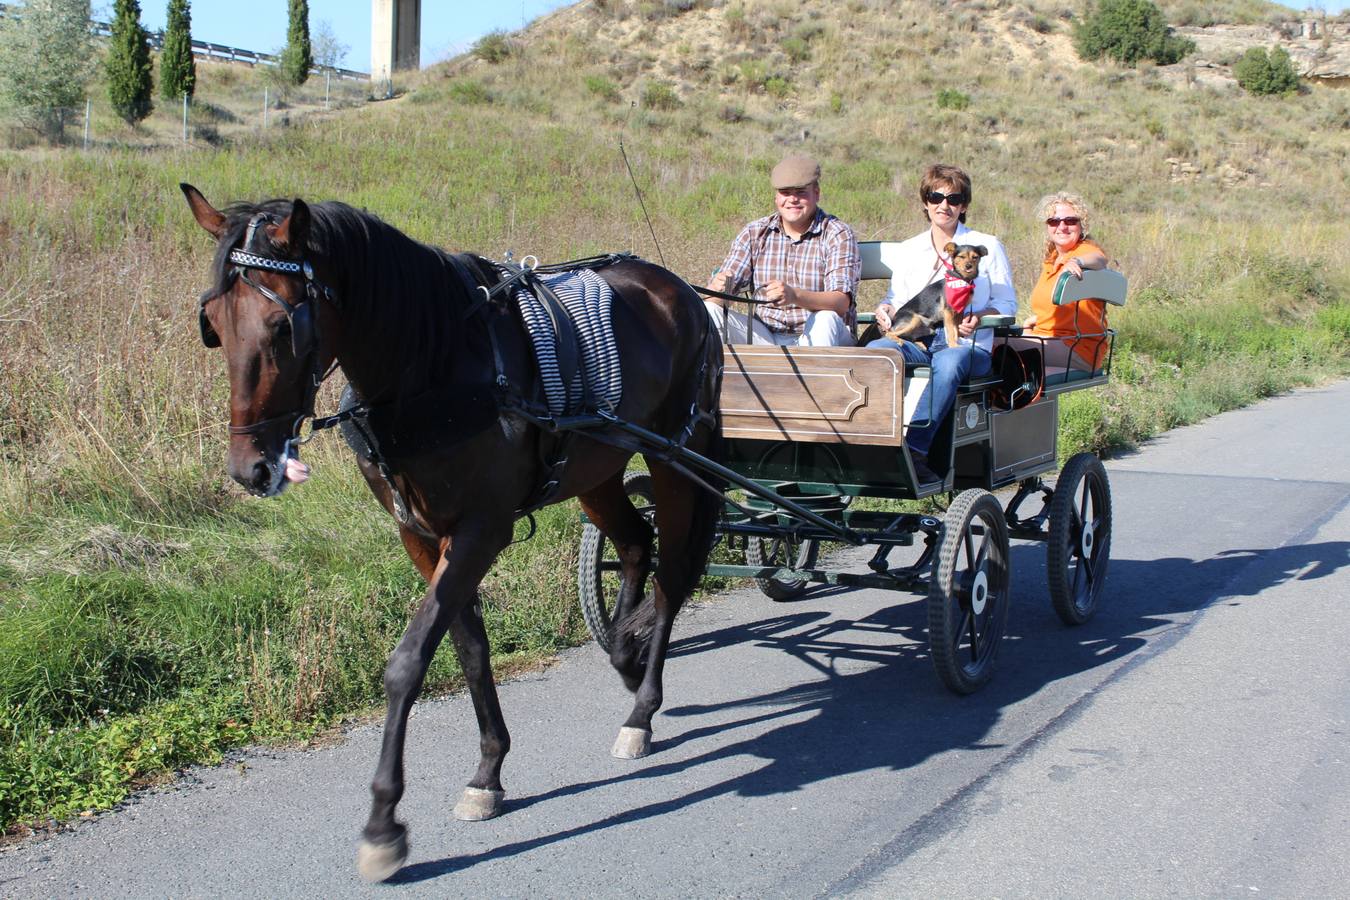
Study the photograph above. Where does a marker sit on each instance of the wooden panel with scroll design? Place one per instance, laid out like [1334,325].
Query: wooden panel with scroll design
[822,394]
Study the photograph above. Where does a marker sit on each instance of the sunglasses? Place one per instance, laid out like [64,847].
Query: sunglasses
[936,198]
[1054,221]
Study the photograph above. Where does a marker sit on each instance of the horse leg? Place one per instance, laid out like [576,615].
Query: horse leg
[452,587]
[686,519]
[610,510]
[483,796]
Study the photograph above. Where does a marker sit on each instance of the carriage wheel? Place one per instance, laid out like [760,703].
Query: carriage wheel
[598,572]
[784,552]
[1079,547]
[968,594]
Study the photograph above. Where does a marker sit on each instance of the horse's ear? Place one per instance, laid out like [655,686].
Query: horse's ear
[294,229]
[207,215]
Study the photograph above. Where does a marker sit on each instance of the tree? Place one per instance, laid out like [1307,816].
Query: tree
[296,59]
[1261,73]
[177,69]
[45,49]
[1128,31]
[128,65]
[328,50]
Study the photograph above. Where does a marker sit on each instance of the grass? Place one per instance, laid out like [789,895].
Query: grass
[151,616]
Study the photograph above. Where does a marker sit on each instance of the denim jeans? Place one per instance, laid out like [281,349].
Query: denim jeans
[951,366]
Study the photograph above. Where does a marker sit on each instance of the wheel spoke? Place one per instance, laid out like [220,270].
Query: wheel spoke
[1083,507]
[968,543]
[1089,566]
[974,637]
[1078,572]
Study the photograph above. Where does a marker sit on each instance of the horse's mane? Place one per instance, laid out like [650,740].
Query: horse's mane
[403,295]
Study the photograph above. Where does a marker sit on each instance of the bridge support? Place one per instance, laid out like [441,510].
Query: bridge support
[395,36]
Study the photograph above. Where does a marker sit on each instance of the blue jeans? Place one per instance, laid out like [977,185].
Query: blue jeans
[951,366]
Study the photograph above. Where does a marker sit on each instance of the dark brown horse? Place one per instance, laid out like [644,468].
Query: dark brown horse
[442,368]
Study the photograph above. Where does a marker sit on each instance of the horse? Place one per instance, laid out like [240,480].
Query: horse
[443,367]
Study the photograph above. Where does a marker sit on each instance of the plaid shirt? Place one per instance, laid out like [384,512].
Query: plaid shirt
[825,259]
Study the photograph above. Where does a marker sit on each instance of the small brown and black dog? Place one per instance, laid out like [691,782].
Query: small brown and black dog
[942,301]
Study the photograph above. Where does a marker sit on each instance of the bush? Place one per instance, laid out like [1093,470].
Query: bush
[796,49]
[493,47]
[659,95]
[950,98]
[1128,31]
[467,91]
[602,87]
[45,64]
[1259,72]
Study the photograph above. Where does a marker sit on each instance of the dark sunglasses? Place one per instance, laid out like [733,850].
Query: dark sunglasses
[1054,221]
[936,197]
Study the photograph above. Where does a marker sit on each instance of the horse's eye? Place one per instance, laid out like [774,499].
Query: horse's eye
[281,334]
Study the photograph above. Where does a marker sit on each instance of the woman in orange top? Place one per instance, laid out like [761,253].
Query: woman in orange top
[1067,249]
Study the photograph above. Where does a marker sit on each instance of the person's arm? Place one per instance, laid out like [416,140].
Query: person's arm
[1092,258]
[780,293]
[735,272]
[843,269]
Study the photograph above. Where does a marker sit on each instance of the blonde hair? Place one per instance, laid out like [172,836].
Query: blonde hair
[1045,208]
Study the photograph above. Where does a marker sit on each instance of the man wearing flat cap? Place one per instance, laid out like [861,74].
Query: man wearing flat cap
[802,263]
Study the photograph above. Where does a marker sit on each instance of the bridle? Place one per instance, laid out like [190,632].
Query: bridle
[300,315]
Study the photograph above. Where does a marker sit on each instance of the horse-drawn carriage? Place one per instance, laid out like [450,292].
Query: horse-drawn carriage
[809,430]
[451,435]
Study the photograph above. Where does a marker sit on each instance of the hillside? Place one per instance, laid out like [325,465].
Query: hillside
[151,615]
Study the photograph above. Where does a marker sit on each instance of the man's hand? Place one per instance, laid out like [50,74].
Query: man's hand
[966,327]
[718,282]
[780,293]
[884,319]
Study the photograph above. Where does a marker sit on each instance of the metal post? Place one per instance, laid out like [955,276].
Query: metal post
[327,83]
[185,116]
[264,107]
[88,105]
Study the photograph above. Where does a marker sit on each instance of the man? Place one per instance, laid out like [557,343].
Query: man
[802,263]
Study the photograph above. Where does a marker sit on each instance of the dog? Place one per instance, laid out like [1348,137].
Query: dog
[942,301]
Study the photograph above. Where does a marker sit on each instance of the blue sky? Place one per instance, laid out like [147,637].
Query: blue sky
[448,26]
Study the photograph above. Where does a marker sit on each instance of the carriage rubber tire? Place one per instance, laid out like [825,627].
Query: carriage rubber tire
[1064,546]
[596,607]
[765,552]
[953,591]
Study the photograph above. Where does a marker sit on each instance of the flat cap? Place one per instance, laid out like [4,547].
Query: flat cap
[795,172]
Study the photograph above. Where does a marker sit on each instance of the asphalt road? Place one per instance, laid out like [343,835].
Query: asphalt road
[1190,741]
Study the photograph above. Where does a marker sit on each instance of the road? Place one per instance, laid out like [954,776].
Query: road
[1189,741]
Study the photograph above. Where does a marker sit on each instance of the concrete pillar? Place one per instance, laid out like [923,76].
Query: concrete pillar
[395,37]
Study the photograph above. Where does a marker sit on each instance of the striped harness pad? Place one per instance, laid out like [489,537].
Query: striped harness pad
[597,382]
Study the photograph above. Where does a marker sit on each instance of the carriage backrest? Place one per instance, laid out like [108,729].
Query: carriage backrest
[876,257]
[1096,284]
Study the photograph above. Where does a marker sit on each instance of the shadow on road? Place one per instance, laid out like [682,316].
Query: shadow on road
[878,704]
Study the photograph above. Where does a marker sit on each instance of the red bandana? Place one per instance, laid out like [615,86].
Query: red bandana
[957,291]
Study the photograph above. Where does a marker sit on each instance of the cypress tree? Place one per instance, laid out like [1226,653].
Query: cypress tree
[297,58]
[177,69]
[129,83]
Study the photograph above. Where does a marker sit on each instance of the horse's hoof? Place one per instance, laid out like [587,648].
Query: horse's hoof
[633,743]
[379,862]
[477,804]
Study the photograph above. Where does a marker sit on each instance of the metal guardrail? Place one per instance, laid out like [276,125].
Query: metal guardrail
[221,52]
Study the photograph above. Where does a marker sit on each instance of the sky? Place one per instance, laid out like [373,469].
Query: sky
[448,26]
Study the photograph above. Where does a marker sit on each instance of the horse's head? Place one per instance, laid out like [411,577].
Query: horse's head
[263,313]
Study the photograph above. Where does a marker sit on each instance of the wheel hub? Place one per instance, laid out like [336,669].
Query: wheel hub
[979,593]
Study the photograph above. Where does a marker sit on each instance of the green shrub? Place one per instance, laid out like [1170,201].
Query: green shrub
[298,57]
[660,95]
[777,86]
[950,98]
[796,49]
[1128,31]
[129,64]
[1259,72]
[602,87]
[493,47]
[469,91]
[177,69]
